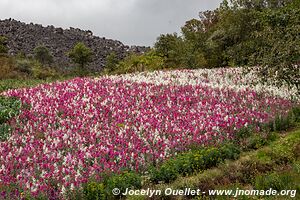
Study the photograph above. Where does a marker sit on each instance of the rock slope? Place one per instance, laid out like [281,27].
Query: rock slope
[23,38]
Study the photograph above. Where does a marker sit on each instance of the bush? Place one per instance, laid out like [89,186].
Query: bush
[81,55]
[243,133]
[24,65]
[275,181]
[3,47]
[256,141]
[194,161]
[42,55]
[9,107]
[230,151]
[282,123]
[94,191]
[138,63]
[43,73]
[18,83]
[129,180]
[111,62]
[7,66]
[103,190]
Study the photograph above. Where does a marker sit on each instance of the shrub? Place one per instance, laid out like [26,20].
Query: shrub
[229,151]
[24,65]
[282,123]
[111,62]
[166,173]
[243,133]
[3,47]
[274,180]
[5,131]
[138,63]
[242,137]
[186,163]
[42,54]
[103,190]
[6,67]
[296,112]
[190,162]
[251,168]
[94,191]
[9,107]
[81,55]
[41,72]
[130,180]
[256,141]
[279,123]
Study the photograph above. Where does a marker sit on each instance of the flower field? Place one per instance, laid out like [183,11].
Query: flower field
[74,130]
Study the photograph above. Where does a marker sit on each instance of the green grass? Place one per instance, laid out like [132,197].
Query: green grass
[7,84]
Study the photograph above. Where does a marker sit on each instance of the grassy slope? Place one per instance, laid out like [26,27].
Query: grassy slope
[278,162]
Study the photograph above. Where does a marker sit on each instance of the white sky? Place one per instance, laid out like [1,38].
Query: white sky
[133,22]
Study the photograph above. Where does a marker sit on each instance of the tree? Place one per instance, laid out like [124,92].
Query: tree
[81,55]
[111,62]
[171,47]
[278,52]
[3,47]
[42,54]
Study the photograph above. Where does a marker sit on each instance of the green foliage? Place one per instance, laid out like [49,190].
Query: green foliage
[230,151]
[5,131]
[6,67]
[24,65]
[275,181]
[94,191]
[129,180]
[282,123]
[166,173]
[7,84]
[3,47]
[81,55]
[194,161]
[21,67]
[41,72]
[42,54]
[256,142]
[165,44]
[137,63]
[34,69]
[296,113]
[243,132]
[111,62]
[9,107]
[103,190]
[248,139]
[247,171]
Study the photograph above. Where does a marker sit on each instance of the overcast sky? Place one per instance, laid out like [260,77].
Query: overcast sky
[133,22]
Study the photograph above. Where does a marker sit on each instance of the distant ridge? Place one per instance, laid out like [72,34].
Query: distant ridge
[23,38]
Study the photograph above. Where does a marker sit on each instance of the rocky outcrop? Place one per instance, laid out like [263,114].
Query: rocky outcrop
[23,38]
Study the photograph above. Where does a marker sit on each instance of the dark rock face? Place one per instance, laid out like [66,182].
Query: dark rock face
[23,38]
